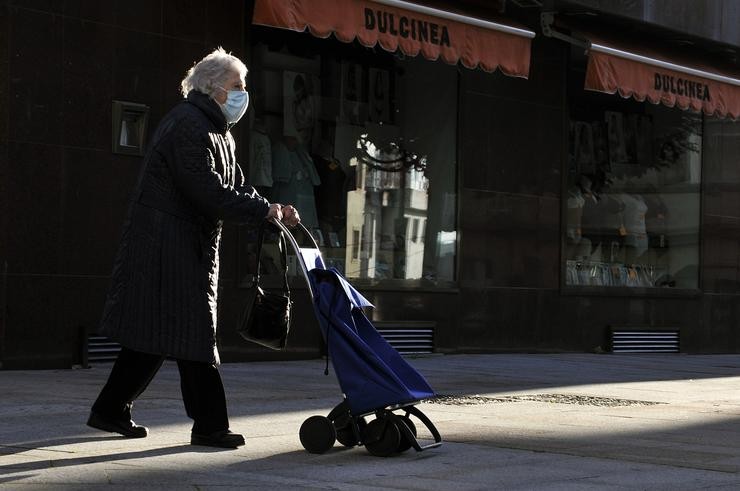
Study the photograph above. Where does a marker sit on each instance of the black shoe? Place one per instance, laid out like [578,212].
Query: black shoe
[222,439]
[126,428]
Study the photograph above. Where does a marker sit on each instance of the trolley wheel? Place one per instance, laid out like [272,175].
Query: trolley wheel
[382,437]
[346,433]
[348,428]
[342,420]
[317,434]
[405,442]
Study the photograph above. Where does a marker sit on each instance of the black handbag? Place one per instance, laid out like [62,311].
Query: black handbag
[266,318]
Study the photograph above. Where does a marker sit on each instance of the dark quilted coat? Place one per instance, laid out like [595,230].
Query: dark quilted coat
[165,277]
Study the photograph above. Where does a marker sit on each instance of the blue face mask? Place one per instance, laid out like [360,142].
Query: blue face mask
[235,105]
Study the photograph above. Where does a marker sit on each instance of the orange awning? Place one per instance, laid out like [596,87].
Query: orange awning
[412,28]
[661,78]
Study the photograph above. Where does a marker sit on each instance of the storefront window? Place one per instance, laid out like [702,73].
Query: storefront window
[633,195]
[363,143]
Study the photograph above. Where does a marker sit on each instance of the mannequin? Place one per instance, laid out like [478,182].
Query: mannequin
[578,247]
[294,177]
[635,239]
[331,198]
[260,158]
[602,225]
[303,110]
[656,219]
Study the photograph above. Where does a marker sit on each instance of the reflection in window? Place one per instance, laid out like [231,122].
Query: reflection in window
[388,203]
[358,140]
[633,198]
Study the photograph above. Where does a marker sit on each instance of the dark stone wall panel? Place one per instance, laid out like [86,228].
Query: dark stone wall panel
[511,240]
[139,15]
[512,130]
[136,75]
[99,12]
[225,25]
[86,84]
[720,230]
[4,68]
[177,57]
[34,174]
[54,314]
[509,319]
[185,19]
[95,193]
[35,77]
[64,193]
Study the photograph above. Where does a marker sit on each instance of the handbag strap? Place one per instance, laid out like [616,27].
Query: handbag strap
[283,245]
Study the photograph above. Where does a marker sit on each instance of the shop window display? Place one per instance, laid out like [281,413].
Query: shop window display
[358,140]
[633,196]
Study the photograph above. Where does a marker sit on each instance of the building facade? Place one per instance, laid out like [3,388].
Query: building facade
[492,176]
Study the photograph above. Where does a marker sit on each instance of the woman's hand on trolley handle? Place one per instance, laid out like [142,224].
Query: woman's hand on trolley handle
[287,214]
[290,216]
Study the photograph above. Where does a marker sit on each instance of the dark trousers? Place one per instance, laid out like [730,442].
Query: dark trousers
[201,385]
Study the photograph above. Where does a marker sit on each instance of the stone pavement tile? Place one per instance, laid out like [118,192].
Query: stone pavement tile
[509,445]
[547,471]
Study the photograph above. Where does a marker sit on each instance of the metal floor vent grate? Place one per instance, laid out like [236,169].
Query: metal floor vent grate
[645,341]
[101,349]
[408,337]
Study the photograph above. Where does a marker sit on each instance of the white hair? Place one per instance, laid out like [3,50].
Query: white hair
[210,72]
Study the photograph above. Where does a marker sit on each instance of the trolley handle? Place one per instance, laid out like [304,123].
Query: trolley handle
[284,228]
[297,248]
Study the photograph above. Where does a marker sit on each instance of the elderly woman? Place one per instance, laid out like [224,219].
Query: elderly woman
[162,300]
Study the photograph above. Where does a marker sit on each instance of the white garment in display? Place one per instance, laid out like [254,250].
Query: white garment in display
[634,212]
[576,201]
[260,159]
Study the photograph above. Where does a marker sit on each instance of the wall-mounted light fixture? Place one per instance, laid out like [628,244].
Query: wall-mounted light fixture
[129,127]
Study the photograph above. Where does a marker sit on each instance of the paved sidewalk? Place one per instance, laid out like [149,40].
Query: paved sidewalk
[565,421]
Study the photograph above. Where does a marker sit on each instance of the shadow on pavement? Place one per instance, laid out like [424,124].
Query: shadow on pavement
[114,456]
[16,447]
